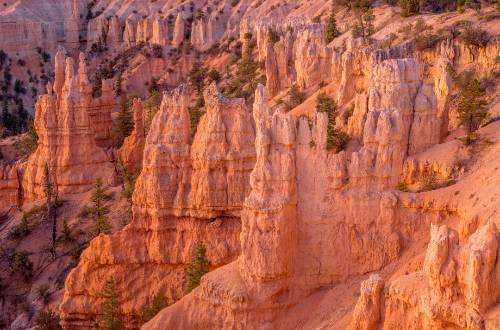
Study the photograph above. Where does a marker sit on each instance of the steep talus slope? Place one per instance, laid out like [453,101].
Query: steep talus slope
[189,191]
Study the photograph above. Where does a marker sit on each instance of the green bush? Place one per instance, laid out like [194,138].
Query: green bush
[197,77]
[296,96]
[475,37]
[124,124]
[272,36]
[99,211]
[29,141]
[159,302]
[195,113]
[19,262]
[20,231]
[471,109]
[47,320]
[332,31]
[336,137]
[110,307]
[198,267]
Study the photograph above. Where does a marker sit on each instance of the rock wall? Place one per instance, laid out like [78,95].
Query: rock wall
[133,146]
[189,190]
[9,187]
[68,136]
[457,284]
[307,206]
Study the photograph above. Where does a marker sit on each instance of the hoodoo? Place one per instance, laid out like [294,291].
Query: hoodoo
[243,164]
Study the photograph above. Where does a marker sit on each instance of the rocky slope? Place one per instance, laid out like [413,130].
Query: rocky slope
[403,212]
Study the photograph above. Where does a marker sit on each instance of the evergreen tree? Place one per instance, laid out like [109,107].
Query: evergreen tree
[48,189]
[197,77]
[409,7]
[118,85]
[124,124]
[110,308]
[332,31]
[471,108]
[29,142]
[336,137]
[153,86]
[99,210]
[128,184]
[6,116]
[159,302]
[364,16]
[198,267]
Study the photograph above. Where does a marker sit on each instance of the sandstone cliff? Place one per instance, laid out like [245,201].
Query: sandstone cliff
[189,191]
[70,125]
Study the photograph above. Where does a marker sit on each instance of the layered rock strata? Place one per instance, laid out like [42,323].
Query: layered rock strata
[326,205]
[190,190]
[9,187]
[68,138]
[456,286]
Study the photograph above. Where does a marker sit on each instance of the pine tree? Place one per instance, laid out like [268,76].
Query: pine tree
[118,85]
[332,31]
[159,302]
[471,108]
[110,308]
[48,189]
[336,137]
[364,16]
[124,123]
[99,210]
[198,267]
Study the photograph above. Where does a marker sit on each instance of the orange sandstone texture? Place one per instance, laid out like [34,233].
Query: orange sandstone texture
[190,190]
[70,124]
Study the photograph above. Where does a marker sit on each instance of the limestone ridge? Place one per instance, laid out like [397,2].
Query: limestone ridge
[189,190]
[71,126]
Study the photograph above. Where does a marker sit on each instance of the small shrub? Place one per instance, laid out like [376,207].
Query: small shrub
[475,37]
[43,294]
[347,114]
[402,186]
[195,114]
[47,320]
[214,75]
[19,262]
[157,51]
[272,36]
[427,40]
[429,178]
[197,77]
[29,142]
[20,231]
[66,235]
[296,97]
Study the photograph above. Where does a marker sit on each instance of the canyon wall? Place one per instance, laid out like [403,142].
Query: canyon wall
[327,205]
[190,190]
[70,125]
